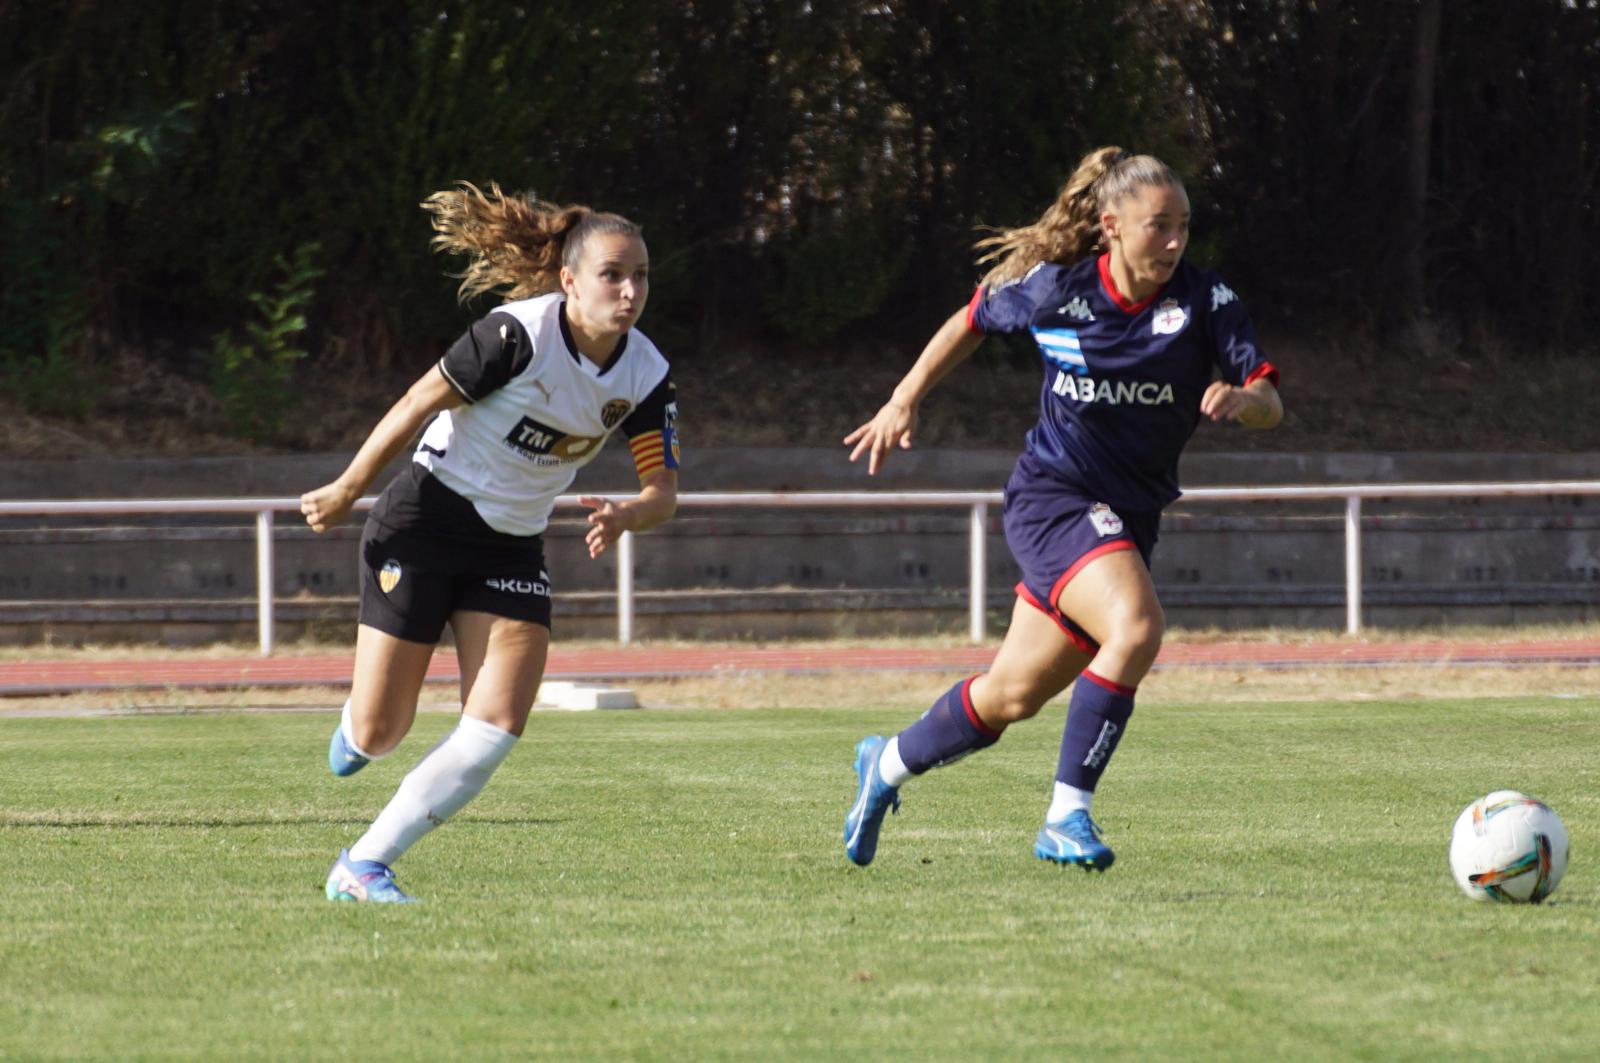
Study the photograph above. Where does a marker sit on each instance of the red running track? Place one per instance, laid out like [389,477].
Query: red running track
[19,678]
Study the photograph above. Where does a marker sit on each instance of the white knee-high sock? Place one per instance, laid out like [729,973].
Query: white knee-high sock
[437,788]
[350,735]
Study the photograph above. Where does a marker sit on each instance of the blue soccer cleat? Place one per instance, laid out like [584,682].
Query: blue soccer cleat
[364,880]
[342,760]
[874,797]
[1075,841]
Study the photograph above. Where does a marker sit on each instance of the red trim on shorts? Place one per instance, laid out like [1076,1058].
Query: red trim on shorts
[972,714]
[1104,548]
[1265,369]
[1102,681]
[1076,638]
[1126,305]
[972,310]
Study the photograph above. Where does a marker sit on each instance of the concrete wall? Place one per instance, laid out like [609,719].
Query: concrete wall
[770,573]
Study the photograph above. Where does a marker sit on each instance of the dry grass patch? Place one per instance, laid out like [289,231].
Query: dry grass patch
[915,691]
[1176,637]
[912,691]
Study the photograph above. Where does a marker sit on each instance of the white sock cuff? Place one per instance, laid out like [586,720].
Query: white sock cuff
[490,743]
[1066,799]
[891,768]
[349,734]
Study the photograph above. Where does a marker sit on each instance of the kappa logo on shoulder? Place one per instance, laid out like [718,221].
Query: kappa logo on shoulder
[1222,295]
[1077,309]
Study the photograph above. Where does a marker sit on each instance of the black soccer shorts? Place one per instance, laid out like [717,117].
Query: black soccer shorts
[411,584]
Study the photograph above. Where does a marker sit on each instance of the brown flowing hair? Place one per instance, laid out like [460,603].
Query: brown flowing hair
[514,243]
[1069,229]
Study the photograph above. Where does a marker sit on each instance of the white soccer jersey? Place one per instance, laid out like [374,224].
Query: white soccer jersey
[537,411]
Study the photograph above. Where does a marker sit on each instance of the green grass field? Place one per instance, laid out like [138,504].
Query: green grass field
[670,885]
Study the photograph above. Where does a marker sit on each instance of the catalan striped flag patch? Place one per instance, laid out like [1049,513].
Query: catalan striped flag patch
[649,452]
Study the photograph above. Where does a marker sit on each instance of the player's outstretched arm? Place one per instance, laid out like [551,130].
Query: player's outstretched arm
[330,504]
[895,422]
[1256,405]
[656,502]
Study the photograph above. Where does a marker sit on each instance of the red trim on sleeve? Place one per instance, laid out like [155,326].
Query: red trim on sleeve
[1077,566]
[1126,305]
[1084,645]
[972,310]
[1265,369]
[972,714]
[1102,681]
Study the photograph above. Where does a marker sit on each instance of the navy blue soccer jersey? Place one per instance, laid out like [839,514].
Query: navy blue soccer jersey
[1122,381]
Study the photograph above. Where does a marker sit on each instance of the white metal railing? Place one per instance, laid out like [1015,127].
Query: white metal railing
[976,502]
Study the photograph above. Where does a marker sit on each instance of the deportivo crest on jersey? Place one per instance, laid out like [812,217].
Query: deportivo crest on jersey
[534,440]
[1169,318]
[614,411]
[389,576]
[1061,346]
[1105,521]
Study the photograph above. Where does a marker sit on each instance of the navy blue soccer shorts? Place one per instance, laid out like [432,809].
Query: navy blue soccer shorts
[1053,532]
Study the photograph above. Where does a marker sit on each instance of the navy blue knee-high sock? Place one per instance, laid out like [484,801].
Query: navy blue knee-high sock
[1096,717]
[946,732]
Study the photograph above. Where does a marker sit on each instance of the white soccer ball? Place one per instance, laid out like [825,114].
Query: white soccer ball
[1508,847]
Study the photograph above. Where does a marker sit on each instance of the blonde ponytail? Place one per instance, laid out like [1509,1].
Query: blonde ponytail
[1069,230]
[513,243]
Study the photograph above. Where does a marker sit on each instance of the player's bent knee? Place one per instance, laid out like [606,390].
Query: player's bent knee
[379,733]
[1149,632]
[1136,639]
[1142,630]
[1006,703]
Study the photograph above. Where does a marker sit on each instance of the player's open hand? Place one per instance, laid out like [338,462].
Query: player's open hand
[327,506]
[892,426]
[607,522]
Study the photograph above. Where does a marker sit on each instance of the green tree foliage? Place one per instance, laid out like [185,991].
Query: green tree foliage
[1305,111]
[250,373]
[814,171]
